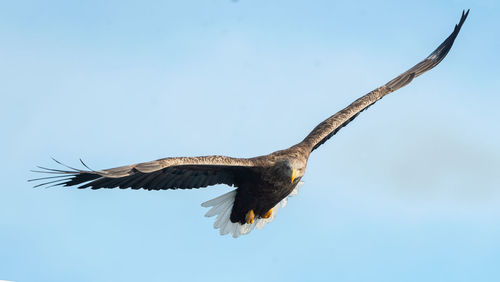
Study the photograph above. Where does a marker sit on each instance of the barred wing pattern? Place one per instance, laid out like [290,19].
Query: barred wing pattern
[167,173]
[321,133]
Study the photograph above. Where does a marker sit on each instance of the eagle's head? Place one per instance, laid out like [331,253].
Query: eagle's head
[291,169]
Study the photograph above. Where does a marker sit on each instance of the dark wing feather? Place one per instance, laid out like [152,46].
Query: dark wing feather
[332,125]
[168,173]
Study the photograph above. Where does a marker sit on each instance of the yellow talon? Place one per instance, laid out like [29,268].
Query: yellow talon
[250,216]
[268,214]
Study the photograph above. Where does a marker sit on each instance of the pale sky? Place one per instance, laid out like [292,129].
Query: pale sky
[409,191]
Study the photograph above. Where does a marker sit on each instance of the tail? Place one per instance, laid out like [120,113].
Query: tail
[223,205]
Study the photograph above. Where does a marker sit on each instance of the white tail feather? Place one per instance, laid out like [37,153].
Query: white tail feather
[223,205]
[219,199]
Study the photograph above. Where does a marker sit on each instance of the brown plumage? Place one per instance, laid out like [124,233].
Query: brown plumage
[262,182]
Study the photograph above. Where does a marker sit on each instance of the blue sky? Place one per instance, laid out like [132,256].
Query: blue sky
[407,192]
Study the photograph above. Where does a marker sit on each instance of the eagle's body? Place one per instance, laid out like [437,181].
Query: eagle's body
[268,183]
[263,183]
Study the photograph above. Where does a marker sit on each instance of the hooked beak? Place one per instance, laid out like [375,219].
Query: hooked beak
[295,173]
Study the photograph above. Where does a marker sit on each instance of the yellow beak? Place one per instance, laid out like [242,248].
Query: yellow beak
[295,173]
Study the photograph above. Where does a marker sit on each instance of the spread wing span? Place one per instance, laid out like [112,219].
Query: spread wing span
[167,173]
[321,133]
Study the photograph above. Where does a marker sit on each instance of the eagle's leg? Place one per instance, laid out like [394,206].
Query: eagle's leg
[268,214]
[250,216]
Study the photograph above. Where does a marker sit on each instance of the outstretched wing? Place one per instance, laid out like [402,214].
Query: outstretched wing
[329,127]
[167,173]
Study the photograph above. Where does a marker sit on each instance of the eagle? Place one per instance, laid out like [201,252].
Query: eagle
[262,184]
